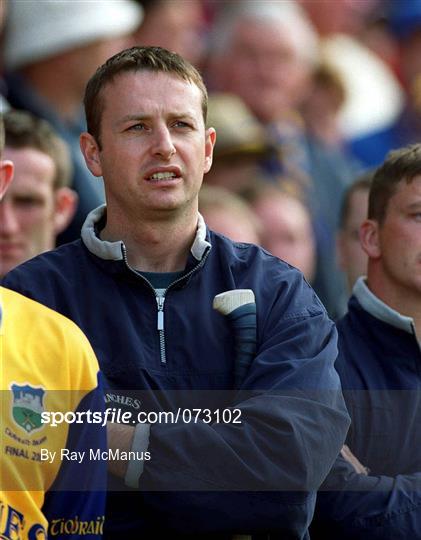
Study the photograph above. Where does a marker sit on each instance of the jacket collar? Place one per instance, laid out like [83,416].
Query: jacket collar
[114,250]
[373,305]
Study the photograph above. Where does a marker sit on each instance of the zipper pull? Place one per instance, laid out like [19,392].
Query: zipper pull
[160,322]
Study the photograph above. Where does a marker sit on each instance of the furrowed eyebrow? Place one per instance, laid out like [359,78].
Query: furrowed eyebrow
[140,117]
[185,115]
[132,118]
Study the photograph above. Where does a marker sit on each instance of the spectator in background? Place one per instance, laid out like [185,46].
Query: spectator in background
[352,259]
[373,96]
[50,51]
[378,362]
[241,146]
[42,352]
[286,227]
[226,213]
[321,108]
[176,26]
[342,16]
[39,203]
[371,148]
[376,34]
[265,53]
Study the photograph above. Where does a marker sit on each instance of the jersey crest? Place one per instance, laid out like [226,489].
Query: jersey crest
[27,406]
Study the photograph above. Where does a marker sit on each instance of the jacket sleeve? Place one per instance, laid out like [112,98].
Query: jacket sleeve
[351,505]
[293,418]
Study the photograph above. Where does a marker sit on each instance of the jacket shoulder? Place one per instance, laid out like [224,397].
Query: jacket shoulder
[242,253]
[38,274]
[50,259]
[274,280]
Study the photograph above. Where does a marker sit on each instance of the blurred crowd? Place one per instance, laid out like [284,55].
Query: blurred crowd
[306,96]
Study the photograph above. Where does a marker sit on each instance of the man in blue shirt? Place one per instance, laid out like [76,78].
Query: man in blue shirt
[379,365]
[141,283]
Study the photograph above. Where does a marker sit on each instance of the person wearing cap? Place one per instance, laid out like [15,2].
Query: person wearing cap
[50,51]
[264,52]
[242,145]
[144,284]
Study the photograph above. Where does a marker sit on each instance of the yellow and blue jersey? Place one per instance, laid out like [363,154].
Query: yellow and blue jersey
[47,364]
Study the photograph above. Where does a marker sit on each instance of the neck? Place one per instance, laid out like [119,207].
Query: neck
[159,245]
[403,300]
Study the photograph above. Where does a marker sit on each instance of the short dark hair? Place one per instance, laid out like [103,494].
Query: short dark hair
[400,165]
[136,59]
[24,130]
[362,183]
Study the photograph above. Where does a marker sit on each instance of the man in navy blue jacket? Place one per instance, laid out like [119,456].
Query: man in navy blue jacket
[141,283]
[380,368]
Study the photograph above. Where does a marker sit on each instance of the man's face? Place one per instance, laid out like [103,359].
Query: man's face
[287,232]
[263,68]
[233,224]
[399,238]
[155,148]
[27,210]
[352,257]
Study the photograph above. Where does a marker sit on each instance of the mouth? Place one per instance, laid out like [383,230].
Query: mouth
[163,176]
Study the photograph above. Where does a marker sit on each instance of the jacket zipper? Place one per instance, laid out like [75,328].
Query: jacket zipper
[160,299]
[160,326]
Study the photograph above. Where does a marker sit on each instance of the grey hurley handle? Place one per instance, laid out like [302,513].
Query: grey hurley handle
[239,306]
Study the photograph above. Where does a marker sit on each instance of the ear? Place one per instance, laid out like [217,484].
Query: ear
[6,175]
[65,205]
[369,238]
[90,151]
[209,145]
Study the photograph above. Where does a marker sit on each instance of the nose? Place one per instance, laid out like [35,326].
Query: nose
[163,145]
[8,221]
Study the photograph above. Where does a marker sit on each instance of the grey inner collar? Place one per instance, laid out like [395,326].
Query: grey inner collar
[379,309]
[114,250]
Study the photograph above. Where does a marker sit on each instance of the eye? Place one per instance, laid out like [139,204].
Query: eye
[137,127]
[181,124]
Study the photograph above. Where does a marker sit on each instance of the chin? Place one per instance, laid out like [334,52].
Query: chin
[166,207]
